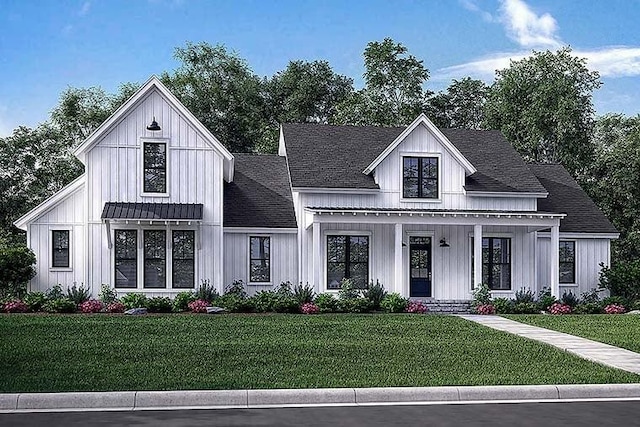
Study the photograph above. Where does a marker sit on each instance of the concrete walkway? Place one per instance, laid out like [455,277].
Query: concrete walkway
[587,349]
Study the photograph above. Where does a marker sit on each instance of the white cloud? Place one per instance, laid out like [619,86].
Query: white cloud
[527,28]
[483,68]
[86,6]
[473,7]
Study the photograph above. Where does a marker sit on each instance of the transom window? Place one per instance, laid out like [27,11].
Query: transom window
[347,258]
[155,258]
[420,177]
[259,259]
[496,263]
[126,259]
[567,262]
[155,167]
[60,248]
[183,259]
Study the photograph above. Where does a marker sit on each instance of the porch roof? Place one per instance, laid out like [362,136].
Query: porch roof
[152,211]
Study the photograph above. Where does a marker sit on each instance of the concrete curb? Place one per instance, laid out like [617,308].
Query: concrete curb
[141,400]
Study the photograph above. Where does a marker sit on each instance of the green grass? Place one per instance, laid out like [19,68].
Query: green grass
[619,330]
[99,352]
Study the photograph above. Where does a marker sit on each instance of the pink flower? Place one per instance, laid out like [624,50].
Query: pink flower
[116,307]
[198,306]
[614,309]
[16,306]
[91,306]
[559,308]
[486,309]
[309,308]
[416,307]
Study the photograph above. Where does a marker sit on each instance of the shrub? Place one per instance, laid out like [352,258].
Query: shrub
[78,294]
[286,304]
[590,297]
[107,294]
[264,301]
[545,299]
[524,295]
[91,306]
[198,306]
[54,292]
[481,295]
[234,303]
[416,307]
[614,309]
[525,308]
[393,303]
[303,293]
[326,303]
[354,305]
[615,300]
[116,307]
[182,300]
[159,305]
[375,294]
[35,300]
[206,291]
[486,309]
[635,305]
[309,308]
[348,290]
[134,300]
[622,279]
[15,306]
[569,298]
[16,269]
[503,305]
[588,308]
[60,305]
[236,288]
[559,308]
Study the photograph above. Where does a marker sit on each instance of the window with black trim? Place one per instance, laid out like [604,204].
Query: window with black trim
[347,258]
[60,248]
[183,259]
[155,258]
[259,259]
[420,177]
[126,258]
[567,261]
[496,263]
[155,167]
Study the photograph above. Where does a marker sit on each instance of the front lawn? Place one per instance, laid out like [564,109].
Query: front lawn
[615,329]
[102,352]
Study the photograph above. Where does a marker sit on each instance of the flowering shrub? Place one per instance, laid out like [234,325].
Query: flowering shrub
[614,309]
[309,308]
[559,308]
[16,306]
[486,309]
[198,306]
[91,306]
[116,307]
[416,307]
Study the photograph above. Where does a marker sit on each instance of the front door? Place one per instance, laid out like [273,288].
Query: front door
[419,266]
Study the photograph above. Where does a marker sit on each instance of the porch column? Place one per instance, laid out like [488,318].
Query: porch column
[317,258]
[554,262]
[477,255]
[398,260]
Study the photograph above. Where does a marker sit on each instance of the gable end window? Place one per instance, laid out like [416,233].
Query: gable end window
[126,258]
[60,248]
[420,178]
[155,167]
[259,259]
[567,262]
[347,258]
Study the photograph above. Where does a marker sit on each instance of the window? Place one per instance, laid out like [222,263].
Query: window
[60,248]
[496,263]
[155,167]
[155,258]
[183,259]
[126,250]
[567,262]
[259,259]
[420,177]
[347,258]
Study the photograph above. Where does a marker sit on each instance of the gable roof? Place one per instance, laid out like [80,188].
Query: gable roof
[260,194]
[155,84]
[326,156]
[566,196]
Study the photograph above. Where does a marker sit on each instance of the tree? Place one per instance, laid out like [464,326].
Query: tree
[543,105]
[461,106]
[393,94]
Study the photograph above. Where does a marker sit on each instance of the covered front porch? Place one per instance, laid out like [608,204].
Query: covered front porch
[428,255]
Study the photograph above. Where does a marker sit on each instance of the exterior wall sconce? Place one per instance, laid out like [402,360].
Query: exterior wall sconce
[154,125]
[443,243]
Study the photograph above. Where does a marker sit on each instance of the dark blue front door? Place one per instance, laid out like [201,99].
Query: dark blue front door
[419,266]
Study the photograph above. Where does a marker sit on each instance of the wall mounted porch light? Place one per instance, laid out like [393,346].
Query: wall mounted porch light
[154,125]
[443,243]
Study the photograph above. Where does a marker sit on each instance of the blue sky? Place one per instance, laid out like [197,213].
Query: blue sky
[46,45]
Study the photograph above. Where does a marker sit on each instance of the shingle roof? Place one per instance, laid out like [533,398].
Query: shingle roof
[260,194]
[327,156]
[125,210]
[566,196]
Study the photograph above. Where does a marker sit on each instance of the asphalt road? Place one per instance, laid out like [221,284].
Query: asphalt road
[521,414]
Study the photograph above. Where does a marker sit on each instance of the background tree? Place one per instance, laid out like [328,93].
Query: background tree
[543,105]
[461,106]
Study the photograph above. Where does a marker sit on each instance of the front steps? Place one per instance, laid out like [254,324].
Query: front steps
[446,306]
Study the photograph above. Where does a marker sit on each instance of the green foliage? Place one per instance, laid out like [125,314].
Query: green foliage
[622,279]
[375,294]
[60,305]
[545,300]
[206,292]
[354,305]
[182,300]
[134,300]
[264,301]
[55,292]
[524,295]
[236,288]
[78,294]
[303,293]
[461,106]
[348,290]
[590,297]
[327,303]
[35,300]
[481,295]
[159,305]
[107,295]
[394,303]
[617,300]
[525,308]
[16,269]
[588,308]
[235,303]
[569,299]
[503,305]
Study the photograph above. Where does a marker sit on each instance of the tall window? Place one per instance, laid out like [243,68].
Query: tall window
[155,167]
[347,258]
[155,258]
[126,250]
[259,259]
[183,259]
[420,177]
[567,262]
[60,248]
[496,263]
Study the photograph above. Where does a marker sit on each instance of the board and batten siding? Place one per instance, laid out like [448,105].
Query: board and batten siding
[284,259]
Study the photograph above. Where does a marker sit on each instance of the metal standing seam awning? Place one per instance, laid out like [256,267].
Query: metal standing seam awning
[149,213]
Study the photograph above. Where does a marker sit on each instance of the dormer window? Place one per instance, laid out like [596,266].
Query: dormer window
[420,178]
[155,167]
